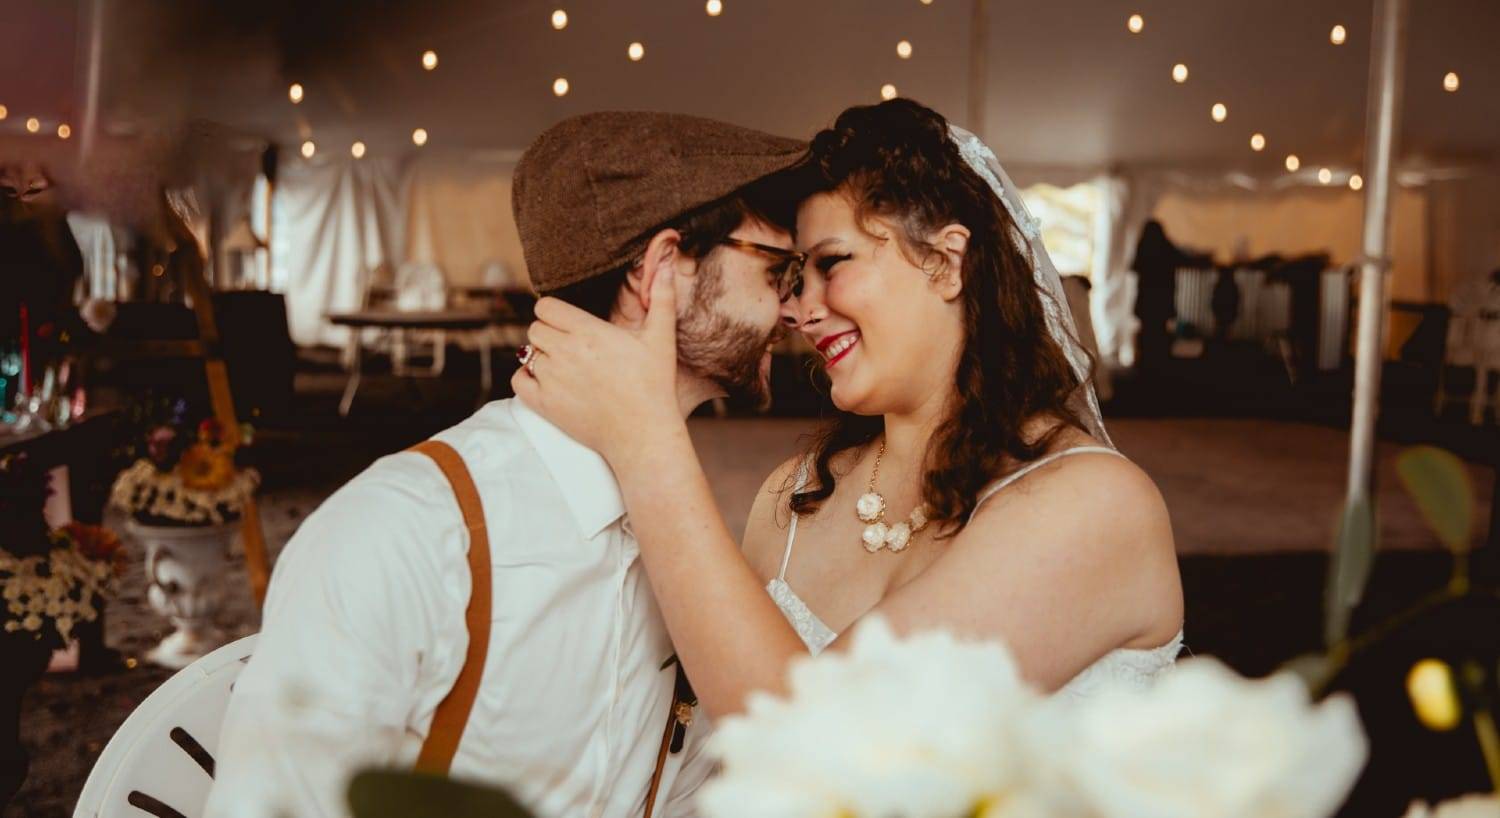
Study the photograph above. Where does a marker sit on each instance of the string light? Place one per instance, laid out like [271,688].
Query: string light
[887,91]
[714,7]
[1136,23]
[560,86]
[903,50]
[1356,182]
[559,19]
[419,137]
[1337,35]
[1257,142]
[357,150]
[1292,162]
[4,112]
[33,125]
[63,131]
[1220,112]
[1180,72]
[429,60]
[1450,82]
[294,93]
[308,149]
[636,52]
[1325,176]
[926,2]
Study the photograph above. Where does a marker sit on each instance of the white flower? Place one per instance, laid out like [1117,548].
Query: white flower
[32,622]
[1201,742]
[917,727]
[1476,805]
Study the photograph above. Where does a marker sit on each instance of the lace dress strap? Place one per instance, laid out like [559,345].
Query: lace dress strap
[996,486]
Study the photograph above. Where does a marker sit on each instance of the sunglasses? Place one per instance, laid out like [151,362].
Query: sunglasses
[785,271]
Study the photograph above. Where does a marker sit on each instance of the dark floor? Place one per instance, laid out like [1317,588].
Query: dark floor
[1253,478]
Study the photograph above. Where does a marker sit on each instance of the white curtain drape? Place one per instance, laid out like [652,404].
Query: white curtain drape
[334,223]
[337,221]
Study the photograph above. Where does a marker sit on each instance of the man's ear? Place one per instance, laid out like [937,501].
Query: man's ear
[951,242]
[663,249]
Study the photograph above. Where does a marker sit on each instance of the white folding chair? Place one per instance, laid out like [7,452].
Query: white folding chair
[420,288]
[161,760]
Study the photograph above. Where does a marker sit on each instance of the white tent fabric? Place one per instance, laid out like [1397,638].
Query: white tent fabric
[338,222]
[333,225]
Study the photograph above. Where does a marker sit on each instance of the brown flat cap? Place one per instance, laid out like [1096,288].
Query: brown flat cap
[593,186]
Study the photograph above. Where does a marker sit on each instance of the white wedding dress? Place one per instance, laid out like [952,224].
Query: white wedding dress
[1134,667]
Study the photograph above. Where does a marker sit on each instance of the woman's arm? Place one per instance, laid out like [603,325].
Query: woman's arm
[729,633]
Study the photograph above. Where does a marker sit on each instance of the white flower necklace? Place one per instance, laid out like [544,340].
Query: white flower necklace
[870,508]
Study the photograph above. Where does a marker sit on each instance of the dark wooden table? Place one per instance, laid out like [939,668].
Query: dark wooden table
[476,322]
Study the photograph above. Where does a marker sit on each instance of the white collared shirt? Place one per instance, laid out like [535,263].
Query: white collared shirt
[364,635]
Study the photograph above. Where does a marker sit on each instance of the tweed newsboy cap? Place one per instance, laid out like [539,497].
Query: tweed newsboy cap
[591,187]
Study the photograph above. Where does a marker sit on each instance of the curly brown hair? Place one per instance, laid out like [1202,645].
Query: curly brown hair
[895,160]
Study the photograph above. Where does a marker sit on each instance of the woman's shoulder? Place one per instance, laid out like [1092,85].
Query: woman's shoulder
[770,514]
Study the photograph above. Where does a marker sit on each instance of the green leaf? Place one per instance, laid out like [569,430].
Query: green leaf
[1353,557]
[1439,483]
[393,794]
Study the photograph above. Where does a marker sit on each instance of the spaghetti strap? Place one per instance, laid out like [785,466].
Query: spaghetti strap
[996,486]
[791,533]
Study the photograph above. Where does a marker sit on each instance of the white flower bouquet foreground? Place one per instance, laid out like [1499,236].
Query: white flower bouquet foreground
[932,727]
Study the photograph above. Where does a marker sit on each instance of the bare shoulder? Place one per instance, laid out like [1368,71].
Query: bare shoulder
[1095,520]
[770,517]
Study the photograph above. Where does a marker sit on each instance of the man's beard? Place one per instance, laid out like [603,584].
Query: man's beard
[719,348]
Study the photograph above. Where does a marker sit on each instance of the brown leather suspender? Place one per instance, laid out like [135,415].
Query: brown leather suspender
[452,713]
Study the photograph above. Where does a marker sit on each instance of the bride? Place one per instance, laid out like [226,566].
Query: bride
[966,482]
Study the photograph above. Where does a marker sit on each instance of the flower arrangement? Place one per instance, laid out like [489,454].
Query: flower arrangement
[50,579]
[932,727]
[187,480]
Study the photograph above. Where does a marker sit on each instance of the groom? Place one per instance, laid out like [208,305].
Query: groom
[364,625]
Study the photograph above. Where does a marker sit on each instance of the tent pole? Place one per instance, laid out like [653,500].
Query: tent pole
[979,57]
[1387,59]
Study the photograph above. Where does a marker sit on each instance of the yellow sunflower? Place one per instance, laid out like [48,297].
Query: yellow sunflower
[205,467]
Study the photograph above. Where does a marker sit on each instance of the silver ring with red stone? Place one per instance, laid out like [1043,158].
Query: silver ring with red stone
[527,356]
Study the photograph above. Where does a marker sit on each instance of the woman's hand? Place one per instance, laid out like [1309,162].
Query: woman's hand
[606,386]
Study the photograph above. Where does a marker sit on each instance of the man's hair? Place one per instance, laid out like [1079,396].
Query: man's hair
[767,201]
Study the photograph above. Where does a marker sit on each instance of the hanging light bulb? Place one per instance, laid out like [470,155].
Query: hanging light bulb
[419,137]
[1324,176]
[1180,72]
[560,86]
[308,149]
[1292,162]
[1356,182]
[1337,35]
[559,19]
[294,93]
[33,125]
[429,59]
[714,7]
[926,2]
[1450,82]
[1219,112]
[1257,142]
[903,50]
[357,150]
[636,51]
[63,131]
[888,91]
[4,112]
[1136,23]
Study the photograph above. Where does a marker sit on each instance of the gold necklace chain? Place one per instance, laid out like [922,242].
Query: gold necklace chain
[870,508]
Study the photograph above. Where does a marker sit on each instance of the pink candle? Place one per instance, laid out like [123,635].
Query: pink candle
[25,353]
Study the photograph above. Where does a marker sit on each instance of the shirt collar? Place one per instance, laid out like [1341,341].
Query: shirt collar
[584,478]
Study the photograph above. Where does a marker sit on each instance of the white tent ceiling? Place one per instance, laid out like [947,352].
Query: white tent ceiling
[1068,85]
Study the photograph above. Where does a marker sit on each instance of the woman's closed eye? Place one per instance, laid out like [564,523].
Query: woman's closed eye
[826,264]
